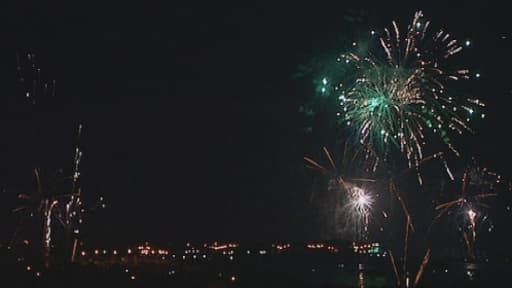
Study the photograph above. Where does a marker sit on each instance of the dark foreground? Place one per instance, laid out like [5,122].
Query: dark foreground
[274,271]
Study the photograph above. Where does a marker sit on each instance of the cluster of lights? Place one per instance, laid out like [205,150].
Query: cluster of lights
[315,246]
[281,247]
[329,248]
[333,249]
[148,250]
[216,246]
[192,251]
[142,250]
[368,248]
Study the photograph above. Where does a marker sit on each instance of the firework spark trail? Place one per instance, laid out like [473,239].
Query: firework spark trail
[424,263]
[394,190]
[395,270]
[47,229]
[406,244]
[468,244]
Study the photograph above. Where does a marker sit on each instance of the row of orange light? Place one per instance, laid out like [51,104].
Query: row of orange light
[153,252]
[217,246]
[332,249]
[315,246]
[364,246]
[281,247]
[142,251]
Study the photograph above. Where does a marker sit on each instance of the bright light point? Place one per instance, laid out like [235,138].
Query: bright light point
[323,89]
[362,200]
[338,114]
[29,268]
[418,25]
[133,277]
[477,75]
[471,214]
[468,43]
[372,32]
[233,278]
[38,274]
[483,116]
[470,111]
[324,81]
[354,44]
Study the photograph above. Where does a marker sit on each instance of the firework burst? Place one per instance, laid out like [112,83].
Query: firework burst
[360,205]
[477,185]
[396,94]
[353,201]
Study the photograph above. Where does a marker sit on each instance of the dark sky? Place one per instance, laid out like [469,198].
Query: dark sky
[190,110]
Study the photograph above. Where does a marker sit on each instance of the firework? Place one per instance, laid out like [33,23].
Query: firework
[56,200]
[360,203]
[395,93]
[353,201]
[469,209]
[54,204]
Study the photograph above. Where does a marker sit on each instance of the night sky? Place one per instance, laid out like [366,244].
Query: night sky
[191,119]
